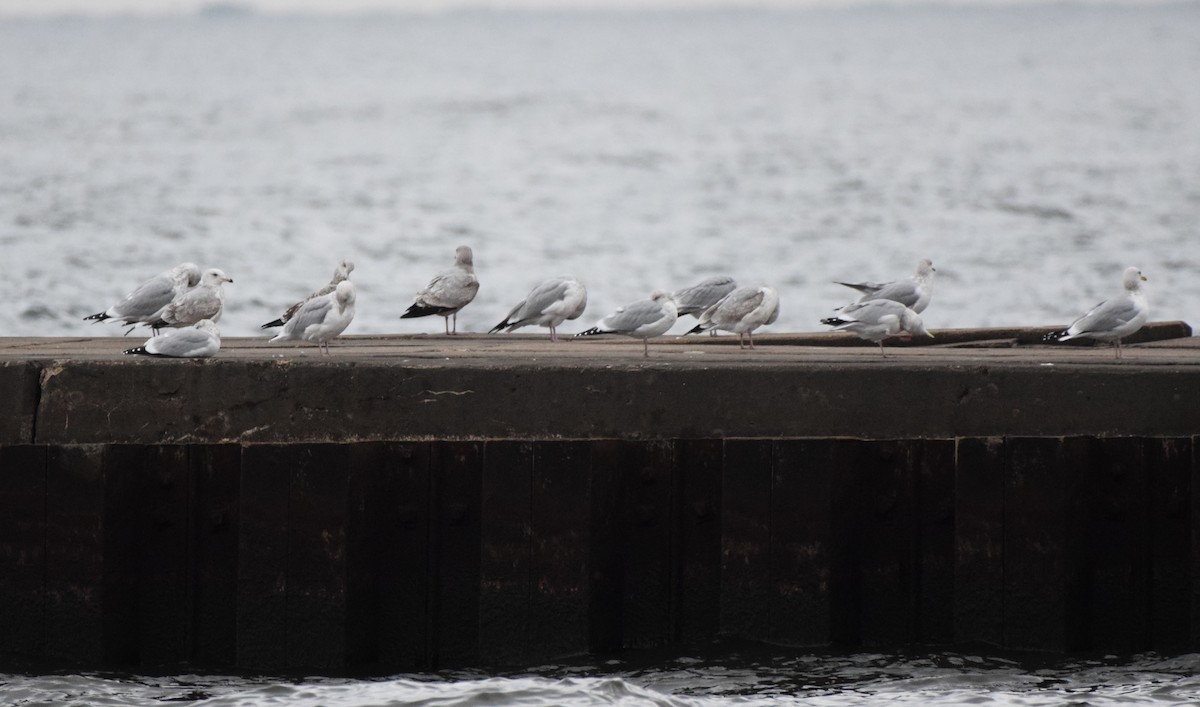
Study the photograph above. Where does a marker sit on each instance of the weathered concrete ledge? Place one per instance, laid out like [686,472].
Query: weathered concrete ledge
[424,502]
[506,387]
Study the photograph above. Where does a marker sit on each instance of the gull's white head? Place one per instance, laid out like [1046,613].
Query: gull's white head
[911,322]
[464,256]
[1133,278]
[209,326]
[186,273]
[213,277]
[343,270]
[925,268]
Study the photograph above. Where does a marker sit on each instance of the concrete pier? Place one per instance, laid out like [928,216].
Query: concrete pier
[419,502]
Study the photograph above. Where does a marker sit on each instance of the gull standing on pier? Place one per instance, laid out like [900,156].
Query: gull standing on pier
[198,341]
[204,301]
[449,292]
[699,297]
[741,312]
[549,304]
[146,302]
[643,319]
[321,318]
[340,273]
[1113,319]
[878,319]
[914,292]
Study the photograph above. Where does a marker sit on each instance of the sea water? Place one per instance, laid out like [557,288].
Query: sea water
[1031,151]
[758,677]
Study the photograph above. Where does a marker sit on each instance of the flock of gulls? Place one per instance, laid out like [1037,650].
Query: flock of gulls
[182,306]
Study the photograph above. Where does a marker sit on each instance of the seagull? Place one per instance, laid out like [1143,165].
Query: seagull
[146,302]
[878,319]
[449,292]
[198,341]
[642,319]
[549,304]
[741,312]
[342,272]
[1113,319]
[914,292]
[321,318]
[204,301]
[699,297]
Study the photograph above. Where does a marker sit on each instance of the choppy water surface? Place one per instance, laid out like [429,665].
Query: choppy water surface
[735,679]
[1031,151]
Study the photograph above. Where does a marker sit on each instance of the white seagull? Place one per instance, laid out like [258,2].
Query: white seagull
[340,273]
[1113,319]
[914,292]
[198,341]
[643,319]
[549,304]
[322,318]
[204,301]
[741,312]
[878,319]
[449,292]
[146,302]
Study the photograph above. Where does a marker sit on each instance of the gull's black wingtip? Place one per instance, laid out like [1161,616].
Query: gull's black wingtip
[268,325]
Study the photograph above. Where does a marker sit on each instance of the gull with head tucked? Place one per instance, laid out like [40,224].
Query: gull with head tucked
[198,341]
[878,319]
[340,273]
[549,304]
[321,319]
[643,319]
[1113,319]
[449,292]
[741,312]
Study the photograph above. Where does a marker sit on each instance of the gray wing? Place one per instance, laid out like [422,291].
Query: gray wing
[903,291]
[632,316]
[695,299]
[147,300]
[312,312]
[542,297]
[452,289]
[198,303]
[737,305]
[1106,316]
[867,288]
[184,343]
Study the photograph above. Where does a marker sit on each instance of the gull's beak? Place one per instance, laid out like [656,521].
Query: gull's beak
[1143,278]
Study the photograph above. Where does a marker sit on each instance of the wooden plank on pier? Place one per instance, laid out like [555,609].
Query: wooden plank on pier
[699,471]
[75,554]
[981,466]
[456,537]
[401,510]
[935,467]
[316,558]
[801,542]
[1045,545]
[262,617]
[213,532]
[746,538]
[1119,590]
[559,538]
[22,549]
[504,602]
[1171,541]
